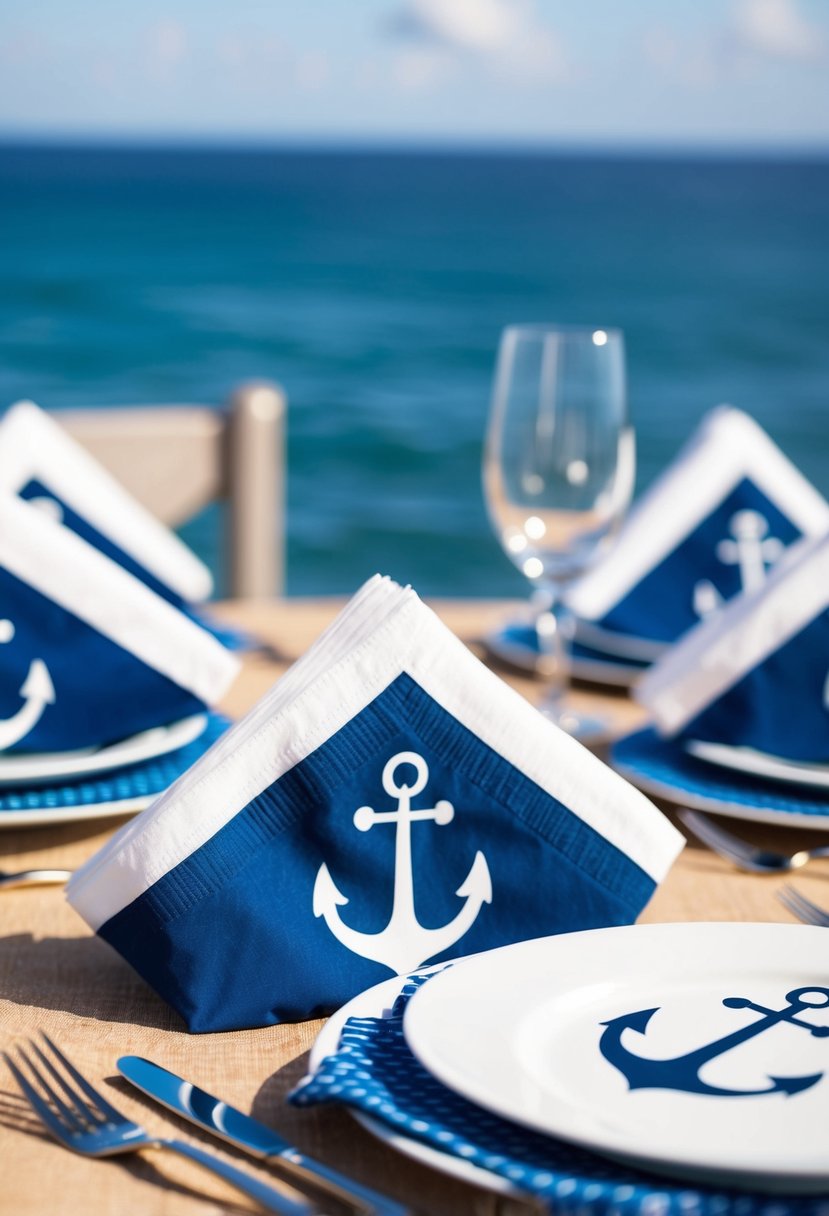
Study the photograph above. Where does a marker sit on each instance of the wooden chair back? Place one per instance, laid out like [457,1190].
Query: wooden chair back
[176,459]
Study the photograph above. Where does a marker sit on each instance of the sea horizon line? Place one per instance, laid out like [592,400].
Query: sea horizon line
[183,143]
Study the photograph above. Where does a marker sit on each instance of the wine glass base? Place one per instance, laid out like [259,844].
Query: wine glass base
[584,727]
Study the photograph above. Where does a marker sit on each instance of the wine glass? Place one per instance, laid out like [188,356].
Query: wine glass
[558,474]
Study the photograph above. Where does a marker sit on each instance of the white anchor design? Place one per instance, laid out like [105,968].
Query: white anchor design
[750,548]
[37,691]
[404,944]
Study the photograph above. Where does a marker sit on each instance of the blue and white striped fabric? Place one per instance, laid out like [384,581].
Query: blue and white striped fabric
[712,525]
[389,802]
[88,653]
[42,463]
[756,676]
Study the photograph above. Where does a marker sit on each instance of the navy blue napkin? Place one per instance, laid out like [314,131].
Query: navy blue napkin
[389,802]
[88,653]
[712,525]
[757,675]
[42,463]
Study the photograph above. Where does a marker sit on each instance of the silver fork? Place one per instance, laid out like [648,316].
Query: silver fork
[84,1121]
[751,857]
[33,878]
[803,908]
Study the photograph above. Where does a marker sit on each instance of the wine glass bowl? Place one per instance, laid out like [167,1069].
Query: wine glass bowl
[558,468]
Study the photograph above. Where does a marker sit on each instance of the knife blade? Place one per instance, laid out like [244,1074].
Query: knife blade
[247,1133]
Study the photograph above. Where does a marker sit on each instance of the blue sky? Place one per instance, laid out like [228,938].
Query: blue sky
[675,72]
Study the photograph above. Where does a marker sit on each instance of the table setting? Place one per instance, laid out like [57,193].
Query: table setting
[739,705]
[109,688]
[403,1058]
[356,922]
[714,521]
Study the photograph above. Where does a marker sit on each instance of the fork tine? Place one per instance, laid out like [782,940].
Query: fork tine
[715,837]
[119,1135]
[76,1120]
[41,1108]
[88,1113]
[98,1100]
[803,908]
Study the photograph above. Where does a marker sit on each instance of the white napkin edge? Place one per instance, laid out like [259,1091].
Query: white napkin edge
[727,446]
[410,639]
[34,445]
[62,566]
[716,654]
[331,645]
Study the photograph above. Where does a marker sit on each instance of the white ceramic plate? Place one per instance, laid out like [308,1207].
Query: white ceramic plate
[46,768]
[625,645]
[652,1044]
[759,764]
[46,816]
[374,1003]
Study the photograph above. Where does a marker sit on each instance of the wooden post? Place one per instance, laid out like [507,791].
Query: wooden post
[255,534]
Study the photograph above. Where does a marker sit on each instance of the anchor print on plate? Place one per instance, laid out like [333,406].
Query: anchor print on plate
[682,1072]
[404,944]
[750,548]
[37,691]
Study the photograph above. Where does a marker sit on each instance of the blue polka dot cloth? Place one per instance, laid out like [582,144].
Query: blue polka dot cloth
[374,1071]
[664,768]
[127,785]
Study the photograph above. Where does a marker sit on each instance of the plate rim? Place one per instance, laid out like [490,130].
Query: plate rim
[49,816]
[716,806]
[103,759]
[417,1150]
[717,1171]
[680,795]
[791,771]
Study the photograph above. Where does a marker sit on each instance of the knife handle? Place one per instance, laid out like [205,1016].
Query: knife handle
[336,1185]
[270,1199]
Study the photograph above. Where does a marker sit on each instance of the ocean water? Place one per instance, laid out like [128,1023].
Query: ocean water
[374,285]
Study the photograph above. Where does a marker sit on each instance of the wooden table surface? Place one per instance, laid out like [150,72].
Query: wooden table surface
[56,975]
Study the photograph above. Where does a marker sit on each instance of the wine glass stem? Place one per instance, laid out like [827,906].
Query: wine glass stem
[555,626]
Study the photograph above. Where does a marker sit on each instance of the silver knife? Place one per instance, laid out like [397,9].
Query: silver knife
[254,1137]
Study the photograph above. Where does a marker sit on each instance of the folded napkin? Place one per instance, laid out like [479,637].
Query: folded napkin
[41,462]
[374,1071]
[757,674]
[389,801]
[710,526]
[88,653]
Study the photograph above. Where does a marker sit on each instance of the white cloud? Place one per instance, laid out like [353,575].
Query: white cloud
[752,32]
[777,28]
[507,35]
[475,25]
